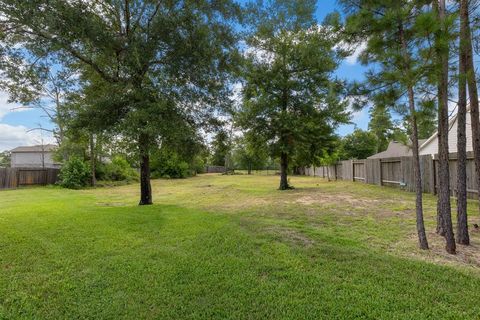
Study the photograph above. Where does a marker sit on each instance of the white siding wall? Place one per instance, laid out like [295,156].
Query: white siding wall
[32,160]
[432,146]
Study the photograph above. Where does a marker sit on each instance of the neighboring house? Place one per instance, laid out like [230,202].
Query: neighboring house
[431,145]
[34,157]
[395,149]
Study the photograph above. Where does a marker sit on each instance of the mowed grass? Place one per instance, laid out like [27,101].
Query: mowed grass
[229,247]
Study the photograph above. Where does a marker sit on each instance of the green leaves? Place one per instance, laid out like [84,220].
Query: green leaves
[291,99]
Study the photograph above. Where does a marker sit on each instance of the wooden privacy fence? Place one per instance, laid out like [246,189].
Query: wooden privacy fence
[214,169]
[11,178]
[397,172]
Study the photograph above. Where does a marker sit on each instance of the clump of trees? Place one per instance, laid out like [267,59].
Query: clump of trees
[250,154]
[140,64]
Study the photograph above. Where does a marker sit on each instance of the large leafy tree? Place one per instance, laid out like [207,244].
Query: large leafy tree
[139,58]
[290,97]
[359,144]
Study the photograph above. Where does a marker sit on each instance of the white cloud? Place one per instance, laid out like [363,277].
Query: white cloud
[14,136]
[352,59]
[6,107]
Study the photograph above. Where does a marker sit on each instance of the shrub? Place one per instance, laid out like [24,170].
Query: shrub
[75,174]
[169,165]
[117,170]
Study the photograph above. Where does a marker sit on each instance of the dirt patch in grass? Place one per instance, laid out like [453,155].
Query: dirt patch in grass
[340,199]
[351,205]
[289,235]
[467,256]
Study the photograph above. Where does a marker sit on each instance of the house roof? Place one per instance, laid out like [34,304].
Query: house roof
[395,149]
[37,148]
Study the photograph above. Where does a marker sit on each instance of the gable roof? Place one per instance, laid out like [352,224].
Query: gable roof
[37,148]
[395,149]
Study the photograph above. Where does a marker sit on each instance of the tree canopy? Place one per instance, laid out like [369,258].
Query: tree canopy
[291,98]
[139,60]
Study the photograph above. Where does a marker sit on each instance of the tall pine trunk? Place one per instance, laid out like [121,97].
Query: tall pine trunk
[473,94]
[283,172]
[145,186]
[444,211]
[422,236]
[462,224]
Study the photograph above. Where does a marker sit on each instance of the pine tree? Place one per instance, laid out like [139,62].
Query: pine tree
[290,98]
[381,125]
[472,90]
[462,222]
[444,215]
[395,46]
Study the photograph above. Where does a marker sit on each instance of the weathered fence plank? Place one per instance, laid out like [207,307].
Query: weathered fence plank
[398,172]
[359,170]
[11,178]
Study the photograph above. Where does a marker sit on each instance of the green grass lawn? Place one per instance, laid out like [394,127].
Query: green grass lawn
[229,247]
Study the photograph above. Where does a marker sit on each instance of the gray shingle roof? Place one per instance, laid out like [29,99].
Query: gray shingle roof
[395,149]
[37,148]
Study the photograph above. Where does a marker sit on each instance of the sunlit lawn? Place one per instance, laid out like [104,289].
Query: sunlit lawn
[229,247]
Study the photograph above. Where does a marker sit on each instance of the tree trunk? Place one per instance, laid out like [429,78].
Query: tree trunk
[145,186]
[422,236]
[283,172]
[473,94]
[462,224]
[93,164]
[249,168]
[443,204]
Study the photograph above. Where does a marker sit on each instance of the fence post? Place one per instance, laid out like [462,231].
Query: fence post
[434,176]
[353,170]
[17,175]
[380,173]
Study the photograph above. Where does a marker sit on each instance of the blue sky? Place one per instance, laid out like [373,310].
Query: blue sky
[14,124]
